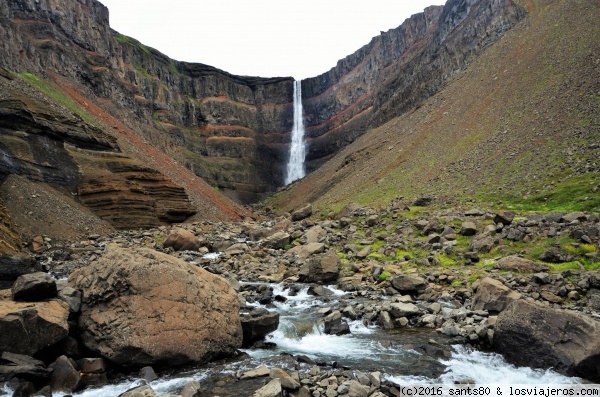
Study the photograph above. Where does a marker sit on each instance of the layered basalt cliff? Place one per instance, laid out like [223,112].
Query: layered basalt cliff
[44,143]
[230,130]
[399,69]
[234,131]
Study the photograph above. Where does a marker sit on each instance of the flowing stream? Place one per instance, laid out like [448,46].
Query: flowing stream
[295,166]
[396,354]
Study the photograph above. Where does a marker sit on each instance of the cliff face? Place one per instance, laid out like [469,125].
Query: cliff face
[230,130]
[398,70]
[233,131]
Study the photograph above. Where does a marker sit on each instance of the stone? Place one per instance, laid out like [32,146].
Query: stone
[28,327]
[71,297]
[504,217]
[277,240]
[142,307]
[322,268]
[555,255]
[385,320]
[355,389]
[255,328]
[593,296]
[468,229]
[91,365]
[541,278]
[271,389]
[302,213]
[139,391]
[574,216]
[302,392]
[550,297]
[408,284]
[335,325]
[400,309]
[306,250]
[518,264]
[256,373]
[481,243]
[493,296]
[65,377]
[148,374]
[22,366]
[315,234]
[319,290]
[14,265]
[191,389]
[528,334]
[287,382]
[34,287]
[182,240]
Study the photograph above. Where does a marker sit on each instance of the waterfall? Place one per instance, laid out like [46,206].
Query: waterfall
[295,166]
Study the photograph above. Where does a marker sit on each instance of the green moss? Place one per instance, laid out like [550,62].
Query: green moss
[121,38]
[559,267]
[446,260]
[384,276]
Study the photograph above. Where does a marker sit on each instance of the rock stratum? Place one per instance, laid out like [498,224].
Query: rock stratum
[234,131]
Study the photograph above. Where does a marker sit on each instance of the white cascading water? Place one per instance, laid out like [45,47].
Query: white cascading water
[295,166]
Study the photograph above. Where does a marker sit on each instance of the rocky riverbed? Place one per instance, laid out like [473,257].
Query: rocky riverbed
[81,313]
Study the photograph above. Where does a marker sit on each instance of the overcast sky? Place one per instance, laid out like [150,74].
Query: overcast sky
[267,38]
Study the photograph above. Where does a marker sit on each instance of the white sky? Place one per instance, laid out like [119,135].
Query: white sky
[267,38]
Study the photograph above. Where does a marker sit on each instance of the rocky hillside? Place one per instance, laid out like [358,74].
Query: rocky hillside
[519,127]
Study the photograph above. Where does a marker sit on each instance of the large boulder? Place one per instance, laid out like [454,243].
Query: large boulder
[408,284]
[302,213]
[493,296]
[34,287]
[532,335]
[142,307]
[257,324]
[26,328]
[182,240]
[322,268]
[14,265]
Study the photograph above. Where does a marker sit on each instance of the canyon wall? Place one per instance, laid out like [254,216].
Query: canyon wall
[234,131]
[398,70]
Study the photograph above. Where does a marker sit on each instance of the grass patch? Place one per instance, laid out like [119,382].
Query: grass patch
[54,93]
[384,276]
[446,260]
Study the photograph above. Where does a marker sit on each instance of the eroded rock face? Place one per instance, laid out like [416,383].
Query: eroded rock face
[493,296]
[531,335]
[241,125]
[142,307]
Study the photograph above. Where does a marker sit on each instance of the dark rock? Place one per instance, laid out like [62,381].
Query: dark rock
[302,213]
[593,296]
[423,201]
[468,229]
[147,373]
[408,284]
[319,290]
[92,365]
[34,287]
[22,366]
[14,265]
[504,217]
[26,328]
[481,244]
[531,335]
[65,377]
[335,325]
[555,255]
[256,327]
